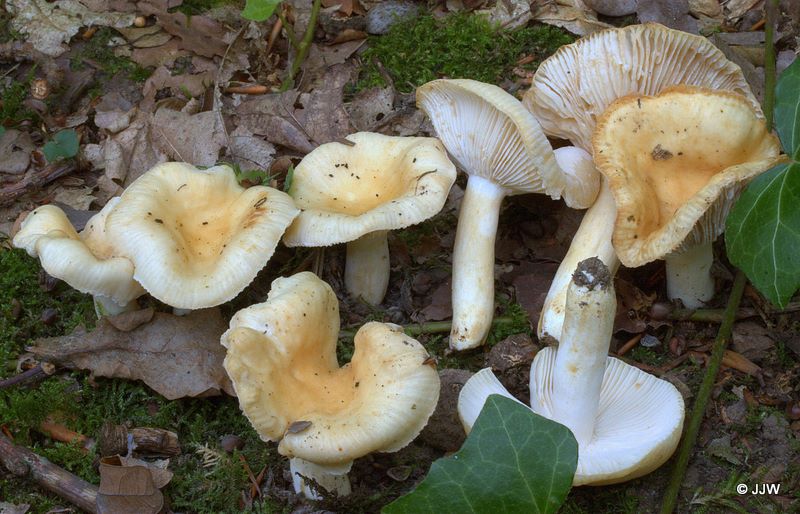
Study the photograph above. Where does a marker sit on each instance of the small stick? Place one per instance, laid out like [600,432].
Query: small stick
[22,377]
[59,432]
[628,346]
[253,89]
[273,36]
[252,477]
[24,463]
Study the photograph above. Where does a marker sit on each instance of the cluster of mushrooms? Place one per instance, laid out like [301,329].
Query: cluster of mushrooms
[665,133]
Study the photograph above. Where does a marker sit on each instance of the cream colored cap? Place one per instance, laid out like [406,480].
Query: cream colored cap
[196,237]
[638,423]
[282,361]
[573,87]
[379,183]
[490,134]
[86,261]
[676,163]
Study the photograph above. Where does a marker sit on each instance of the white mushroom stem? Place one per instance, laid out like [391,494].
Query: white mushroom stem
[333,479]
[105,306]
[473,263]
[593,239]
[581,358]
[366,273]
[689,275]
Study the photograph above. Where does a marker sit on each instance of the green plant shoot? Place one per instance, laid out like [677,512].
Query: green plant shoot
[259,10]
[64,145]
[763,228]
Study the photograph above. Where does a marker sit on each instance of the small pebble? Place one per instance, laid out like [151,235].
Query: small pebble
[381,17]
[231,442]
[649,341]
[49,316]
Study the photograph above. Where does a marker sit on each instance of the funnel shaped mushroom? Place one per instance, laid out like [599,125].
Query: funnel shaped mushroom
[196,237]
[676,163]
[573,87]
[627,423]
[282,362]
[355,193]
[86,261]
[495,140]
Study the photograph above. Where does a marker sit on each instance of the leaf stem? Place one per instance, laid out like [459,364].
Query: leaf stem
[304,47]
[289,29]
[703,395]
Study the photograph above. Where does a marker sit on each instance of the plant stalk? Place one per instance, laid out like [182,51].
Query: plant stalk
[703,395]
[304,47]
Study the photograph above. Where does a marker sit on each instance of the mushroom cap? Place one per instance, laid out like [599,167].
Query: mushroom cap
[196,237]
[676,163]
[638,423]
[577,83]
[489,133]
[86,261]
[379,183]
[282,361]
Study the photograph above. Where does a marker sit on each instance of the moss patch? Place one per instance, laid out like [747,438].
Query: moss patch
[458,46]
[99,51]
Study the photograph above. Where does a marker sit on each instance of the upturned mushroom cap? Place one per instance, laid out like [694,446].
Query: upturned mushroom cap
[576,84]
[675,163]
[86,261]
[490,134]
[638,423]
[379,183]
[196,237]
[282,361]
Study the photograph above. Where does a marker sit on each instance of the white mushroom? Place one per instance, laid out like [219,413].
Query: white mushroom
[500,145]
[356,193]
[282,362]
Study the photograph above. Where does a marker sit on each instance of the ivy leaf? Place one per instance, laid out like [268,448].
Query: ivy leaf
[63,146]
[787,109]
[762,235]
[259,10]
[513,461]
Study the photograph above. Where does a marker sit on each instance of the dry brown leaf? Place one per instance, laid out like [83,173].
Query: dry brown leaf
[250,151]
[633,307]
[176,356]
[531,288]
[370,106]
[673,14]
[164,55]
[321,112]
[739,362]
[510,14]
[192,138]
[710,8]
[440,306]
[128,321]
[751,340]
[572,15]
[79,198]
[735,9]
[271,116]
[194,85]
[199,34]
[128,486]
[15,152]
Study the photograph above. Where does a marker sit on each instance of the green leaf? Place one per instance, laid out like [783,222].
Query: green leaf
[2,130]
[763,233]
[63,146]
[787,109]
[513,461]
[259,10]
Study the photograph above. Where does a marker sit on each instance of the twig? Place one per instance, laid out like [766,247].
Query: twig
[628,346]
[22,377]
[431,327]
[24,463]
[288,28]
[303,48]
[250,475]
[36,180]
[703,395]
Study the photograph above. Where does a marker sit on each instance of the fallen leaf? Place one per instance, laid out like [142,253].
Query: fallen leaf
[739,362]
[145,37]
[721,448]
[531,288]
[440,306]
[250,151]
[673,14]
[10,508]
[710,8]
[510,14]
[191,85]
[164,55]
[633,307]
[128,487]
[15,152]
[369,106]
[177,356]
[192,138]
[199,34]
[79,198]
[128,321]
[572,15]
[321,112]
[47,25]
[735,9]
[751,340]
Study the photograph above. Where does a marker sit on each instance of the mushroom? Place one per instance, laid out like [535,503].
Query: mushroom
[627,422]
[676,162]
[355,193]
[494,139]
[195,236]
[88,261]
[282,361]
[573,87]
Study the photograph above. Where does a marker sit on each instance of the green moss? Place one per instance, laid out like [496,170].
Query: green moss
[22,302]
[192,7]
[519,323]
[12,108]
[458,46]
[97,50]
